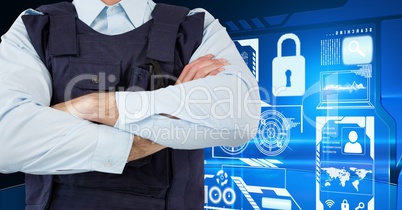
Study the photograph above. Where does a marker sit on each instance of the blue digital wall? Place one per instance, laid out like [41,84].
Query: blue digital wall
[330,126]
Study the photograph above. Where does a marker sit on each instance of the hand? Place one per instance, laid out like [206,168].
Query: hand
[96,107]
[101,107]
[142,148]
[202,67]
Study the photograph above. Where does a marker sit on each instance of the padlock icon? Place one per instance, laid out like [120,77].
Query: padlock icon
[289,72]
[344,205]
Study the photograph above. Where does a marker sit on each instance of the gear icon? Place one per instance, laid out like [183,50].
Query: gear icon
[222,178]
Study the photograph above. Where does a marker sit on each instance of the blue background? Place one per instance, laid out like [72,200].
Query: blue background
[296,169]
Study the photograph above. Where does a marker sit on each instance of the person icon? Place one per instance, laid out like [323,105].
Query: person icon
[353,146]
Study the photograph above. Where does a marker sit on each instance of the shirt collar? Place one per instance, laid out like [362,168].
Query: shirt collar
[138,11]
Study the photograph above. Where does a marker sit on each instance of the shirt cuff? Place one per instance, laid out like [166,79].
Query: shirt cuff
[111,156]
[133,107]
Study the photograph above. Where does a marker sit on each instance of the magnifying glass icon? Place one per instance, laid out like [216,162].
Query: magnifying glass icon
[360,206]
[354,47]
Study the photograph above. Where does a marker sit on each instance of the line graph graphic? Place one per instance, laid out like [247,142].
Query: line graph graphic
[347,87]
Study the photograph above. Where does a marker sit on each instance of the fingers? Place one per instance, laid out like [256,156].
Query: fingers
[215,72]
[206,70]
[201,68]
[191,65]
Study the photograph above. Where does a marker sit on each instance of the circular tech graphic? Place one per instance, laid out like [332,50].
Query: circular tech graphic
[234,150]
[215,195]
[229,196]
[221,178]
[273,133]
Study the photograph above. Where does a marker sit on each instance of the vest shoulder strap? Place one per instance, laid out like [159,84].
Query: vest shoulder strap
[57,22]
[166,22]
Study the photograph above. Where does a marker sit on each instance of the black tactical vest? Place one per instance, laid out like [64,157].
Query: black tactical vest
[82,60]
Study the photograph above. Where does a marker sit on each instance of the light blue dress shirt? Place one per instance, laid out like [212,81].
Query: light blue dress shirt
[217,110]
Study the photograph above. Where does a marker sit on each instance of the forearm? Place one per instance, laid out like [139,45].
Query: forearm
[218,102]
[46,141]
[180,134]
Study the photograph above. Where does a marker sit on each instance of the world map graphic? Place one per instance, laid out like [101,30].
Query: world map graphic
[344,177]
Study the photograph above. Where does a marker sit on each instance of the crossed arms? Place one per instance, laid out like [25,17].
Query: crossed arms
[102,108]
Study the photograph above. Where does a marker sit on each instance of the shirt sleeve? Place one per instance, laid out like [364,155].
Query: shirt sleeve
[37,139]
[227,103]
